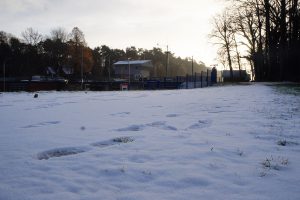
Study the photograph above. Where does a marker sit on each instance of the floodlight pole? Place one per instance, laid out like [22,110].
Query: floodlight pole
[167,60]
[82,68]
[167,64]
[192,65]
[109,68]
[128,73]
[4,75]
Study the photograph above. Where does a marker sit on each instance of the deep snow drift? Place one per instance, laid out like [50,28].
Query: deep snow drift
[233,142]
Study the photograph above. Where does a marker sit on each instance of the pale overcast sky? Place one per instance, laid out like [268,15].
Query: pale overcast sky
[181,24]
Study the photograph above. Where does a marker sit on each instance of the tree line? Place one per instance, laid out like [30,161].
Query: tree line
[34,53]
[269,32]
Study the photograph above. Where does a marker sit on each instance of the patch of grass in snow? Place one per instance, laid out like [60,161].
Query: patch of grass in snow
[123,169]
[275,163]
[285,143]
[148,173]
[282,143]
[113,141]
[240,152]
[123,139]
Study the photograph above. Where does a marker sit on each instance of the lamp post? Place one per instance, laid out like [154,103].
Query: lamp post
[167,61]
[128,73]
[4,62]
[167,64]
[192,65]
[109,68]
[82,68]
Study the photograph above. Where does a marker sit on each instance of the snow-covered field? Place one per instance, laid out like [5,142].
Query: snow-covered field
[232,142]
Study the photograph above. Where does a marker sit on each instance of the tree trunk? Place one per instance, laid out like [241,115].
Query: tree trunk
[229,61]
[267,71]
[295,41]
[283,40]
[258,56]
[238,58]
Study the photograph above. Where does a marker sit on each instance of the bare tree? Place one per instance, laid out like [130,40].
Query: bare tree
[59,34]
[31,36]
[249,27]
[238,55]
[271,29]
[222,57]
[81,54]
[223,35]
[77,37]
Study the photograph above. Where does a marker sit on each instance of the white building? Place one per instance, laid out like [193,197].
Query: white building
[136,68]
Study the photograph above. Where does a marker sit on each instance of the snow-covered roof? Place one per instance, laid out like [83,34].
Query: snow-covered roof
[147,63]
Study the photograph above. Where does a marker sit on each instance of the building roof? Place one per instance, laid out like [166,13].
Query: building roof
[146,63]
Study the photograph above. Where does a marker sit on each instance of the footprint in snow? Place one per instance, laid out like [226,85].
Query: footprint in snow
[172,115]
[162,125]
[120,114]
[132,128]
[6,105]
[41,124]
[67,151]
[118,140]
[200,124]
[59,152]
[156,106]
[158,124]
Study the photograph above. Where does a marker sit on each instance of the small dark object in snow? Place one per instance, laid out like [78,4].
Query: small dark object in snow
[82,128]
[282,143]
[36,95]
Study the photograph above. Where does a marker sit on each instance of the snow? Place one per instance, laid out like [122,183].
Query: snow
[231,142]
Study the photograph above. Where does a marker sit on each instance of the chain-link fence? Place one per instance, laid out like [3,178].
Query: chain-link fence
[198,80]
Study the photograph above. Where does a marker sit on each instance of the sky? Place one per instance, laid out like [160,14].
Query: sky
[182,25]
